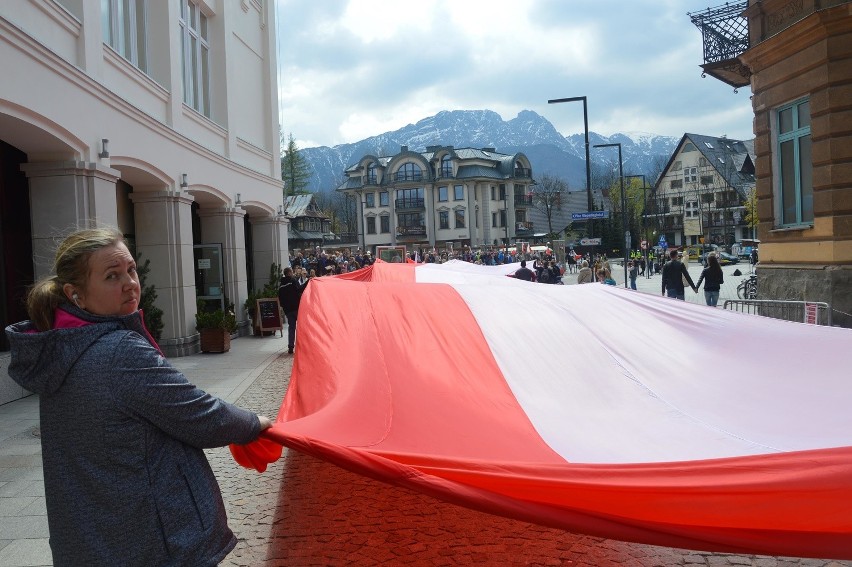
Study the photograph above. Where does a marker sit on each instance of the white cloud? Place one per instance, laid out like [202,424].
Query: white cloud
[359,68]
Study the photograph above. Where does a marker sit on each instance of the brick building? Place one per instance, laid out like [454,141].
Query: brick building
[797,58]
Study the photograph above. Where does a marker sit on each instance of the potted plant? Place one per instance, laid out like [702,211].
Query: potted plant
[215,328]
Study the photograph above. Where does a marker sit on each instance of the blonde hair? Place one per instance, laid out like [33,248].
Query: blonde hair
[70,266]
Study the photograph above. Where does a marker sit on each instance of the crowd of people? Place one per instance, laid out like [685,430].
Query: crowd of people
[540,267]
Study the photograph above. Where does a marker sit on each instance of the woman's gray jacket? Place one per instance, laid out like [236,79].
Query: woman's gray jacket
[122,432]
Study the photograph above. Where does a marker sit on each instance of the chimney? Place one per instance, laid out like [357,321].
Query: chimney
[403,149]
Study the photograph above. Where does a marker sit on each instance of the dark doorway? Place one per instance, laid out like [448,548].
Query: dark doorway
[16,251]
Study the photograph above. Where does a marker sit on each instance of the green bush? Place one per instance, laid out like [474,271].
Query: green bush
[217,319]
[269,290]
[153,315]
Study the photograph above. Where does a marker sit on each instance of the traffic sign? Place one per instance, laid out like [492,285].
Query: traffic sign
[663,243]
[590,241]
[590,215]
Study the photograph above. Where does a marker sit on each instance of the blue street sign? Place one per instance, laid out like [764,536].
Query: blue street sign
[662,243]
[590,215]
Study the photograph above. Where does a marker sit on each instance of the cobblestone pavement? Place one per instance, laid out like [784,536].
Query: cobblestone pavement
[303,511]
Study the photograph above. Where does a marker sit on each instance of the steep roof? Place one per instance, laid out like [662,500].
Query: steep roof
[302,206]
[732,159]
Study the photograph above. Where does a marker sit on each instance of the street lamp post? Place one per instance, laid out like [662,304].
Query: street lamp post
[506,220]
[623,207]
[586,130]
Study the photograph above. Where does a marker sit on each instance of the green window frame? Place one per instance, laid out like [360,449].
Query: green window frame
[795,190]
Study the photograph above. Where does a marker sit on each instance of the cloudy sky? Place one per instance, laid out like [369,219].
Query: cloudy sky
[350,69]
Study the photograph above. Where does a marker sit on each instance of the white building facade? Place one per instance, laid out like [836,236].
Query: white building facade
[442,198]
[701,194]
[158,117]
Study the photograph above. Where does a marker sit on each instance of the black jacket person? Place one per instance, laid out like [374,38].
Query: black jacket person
[672,280]
[289,296]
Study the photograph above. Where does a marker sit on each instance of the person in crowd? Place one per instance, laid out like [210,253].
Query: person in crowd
[713,279]
[605,277]
[632,273]
[584,275]
[289,295]
[524,273]
[570,262]
[675,278]
[126,480]
[300,275]
[555,273]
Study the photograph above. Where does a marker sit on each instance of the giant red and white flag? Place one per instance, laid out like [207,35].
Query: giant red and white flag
[592,408]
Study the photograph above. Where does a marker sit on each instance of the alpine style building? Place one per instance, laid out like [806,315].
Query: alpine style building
[701,194]
[442,198]
[158,117]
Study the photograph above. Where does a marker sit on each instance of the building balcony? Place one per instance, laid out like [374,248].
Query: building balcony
[446,174]
[523,200]
[523,228]
[523,172]
[725,35]
[408,176]
[409,204]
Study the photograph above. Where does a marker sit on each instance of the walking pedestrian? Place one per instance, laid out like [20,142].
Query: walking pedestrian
[584,275]
[713,279]
[126,480]
[289,295]
[675,278]
[633,273]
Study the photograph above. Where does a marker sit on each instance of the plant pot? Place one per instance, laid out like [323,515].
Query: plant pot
[215,340]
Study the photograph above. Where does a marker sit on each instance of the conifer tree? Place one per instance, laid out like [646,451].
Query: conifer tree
[153,315]
[295,170]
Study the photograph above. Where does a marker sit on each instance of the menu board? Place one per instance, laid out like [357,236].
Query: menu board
[269,315]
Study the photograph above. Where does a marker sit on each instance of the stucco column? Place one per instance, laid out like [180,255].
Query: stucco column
[164,236]
[80,194]
[225,226]
[269,237]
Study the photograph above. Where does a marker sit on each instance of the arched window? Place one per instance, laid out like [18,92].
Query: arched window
[371,174]
[409,172]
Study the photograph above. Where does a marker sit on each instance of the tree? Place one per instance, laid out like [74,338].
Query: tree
[751,218]
[548,196]
[295,170]
[341,211]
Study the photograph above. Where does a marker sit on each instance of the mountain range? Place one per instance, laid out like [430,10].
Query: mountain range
[549,151]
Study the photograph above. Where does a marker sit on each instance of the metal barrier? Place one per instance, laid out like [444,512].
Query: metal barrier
[813,312]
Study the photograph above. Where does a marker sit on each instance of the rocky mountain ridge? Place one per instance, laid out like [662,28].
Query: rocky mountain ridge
[549,151]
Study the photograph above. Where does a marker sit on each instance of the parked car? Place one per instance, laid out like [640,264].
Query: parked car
[724,258]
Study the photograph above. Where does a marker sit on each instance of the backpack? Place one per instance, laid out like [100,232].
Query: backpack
[545,275]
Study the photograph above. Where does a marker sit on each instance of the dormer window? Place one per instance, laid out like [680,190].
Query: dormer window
[446,166]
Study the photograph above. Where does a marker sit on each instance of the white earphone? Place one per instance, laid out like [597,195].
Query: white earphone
[75,298]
